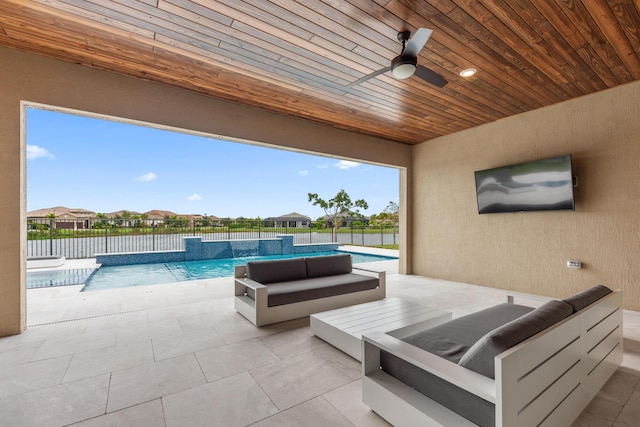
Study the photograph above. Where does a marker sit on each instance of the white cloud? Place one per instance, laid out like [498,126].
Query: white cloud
[323,166]
[149,176]
[194,197]
[346,164]
[303,173]
[36,152]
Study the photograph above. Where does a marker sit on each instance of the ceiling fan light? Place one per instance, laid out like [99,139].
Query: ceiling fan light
[403,67]
[404,71]
[468,72]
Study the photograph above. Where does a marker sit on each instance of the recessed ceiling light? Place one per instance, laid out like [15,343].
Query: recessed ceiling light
[468,72]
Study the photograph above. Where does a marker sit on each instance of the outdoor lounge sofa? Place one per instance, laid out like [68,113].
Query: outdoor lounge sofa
[507,365]
[277,290]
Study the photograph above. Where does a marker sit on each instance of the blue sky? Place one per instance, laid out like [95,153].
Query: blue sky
[106,166]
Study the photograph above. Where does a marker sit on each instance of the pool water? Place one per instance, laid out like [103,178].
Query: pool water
[45,279]
[151,274]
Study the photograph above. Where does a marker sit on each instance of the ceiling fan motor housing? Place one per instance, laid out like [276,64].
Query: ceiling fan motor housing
[404,66]
[403,36]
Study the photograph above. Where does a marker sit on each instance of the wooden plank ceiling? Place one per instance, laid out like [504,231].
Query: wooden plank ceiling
[297,57]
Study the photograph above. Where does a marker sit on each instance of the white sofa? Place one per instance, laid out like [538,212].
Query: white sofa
[268,292]
[547,379]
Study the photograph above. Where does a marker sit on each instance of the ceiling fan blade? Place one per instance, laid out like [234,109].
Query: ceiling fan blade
[369,76]
[417,42]
[430,76]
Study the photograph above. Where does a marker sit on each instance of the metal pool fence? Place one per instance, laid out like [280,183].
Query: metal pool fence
[83,238]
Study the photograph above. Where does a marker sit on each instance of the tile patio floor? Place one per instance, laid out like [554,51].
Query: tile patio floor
[179,355]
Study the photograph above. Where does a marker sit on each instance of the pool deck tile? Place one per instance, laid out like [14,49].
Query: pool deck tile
[164,352]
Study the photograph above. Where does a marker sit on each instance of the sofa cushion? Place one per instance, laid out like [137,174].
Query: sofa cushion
[452,339]
[480,357]
[280,270]
[588,297]
[462,402]
[319,287]
[328,265]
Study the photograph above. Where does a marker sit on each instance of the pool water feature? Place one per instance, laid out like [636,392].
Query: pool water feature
[150,274]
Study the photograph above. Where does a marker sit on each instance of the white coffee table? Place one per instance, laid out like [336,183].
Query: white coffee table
[343,327]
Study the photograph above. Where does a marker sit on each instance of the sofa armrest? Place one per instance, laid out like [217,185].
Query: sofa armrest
[511,295]
[251,284]
[381,275]
[243,283]
[367,270]
[240,271]
[453,373]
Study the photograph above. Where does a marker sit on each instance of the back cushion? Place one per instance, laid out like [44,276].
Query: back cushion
[588,297]
[282,270]
[452,339]
[319,266]
[480,357]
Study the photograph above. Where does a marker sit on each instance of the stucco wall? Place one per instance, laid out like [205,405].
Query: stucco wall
[26,77]
[528,251]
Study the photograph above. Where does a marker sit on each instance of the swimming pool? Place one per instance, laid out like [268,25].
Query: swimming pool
[151,274]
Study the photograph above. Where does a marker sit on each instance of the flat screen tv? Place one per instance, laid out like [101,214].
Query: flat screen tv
[540,185]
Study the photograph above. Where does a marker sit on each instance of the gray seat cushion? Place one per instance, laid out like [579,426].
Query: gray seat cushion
[328,265]
[452,339]
[480,357]
[319,287]
[588,297]
[273,271]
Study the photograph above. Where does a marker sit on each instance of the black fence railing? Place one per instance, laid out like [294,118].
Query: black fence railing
[83,238]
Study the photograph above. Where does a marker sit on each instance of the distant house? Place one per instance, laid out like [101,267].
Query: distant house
[205,220]
[208,220]
[66,218]
[158,216]
[293,220]
[347,221]
[124,222]
[82,219]
[118,214]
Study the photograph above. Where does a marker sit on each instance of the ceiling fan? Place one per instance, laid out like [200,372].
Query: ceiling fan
[406,65]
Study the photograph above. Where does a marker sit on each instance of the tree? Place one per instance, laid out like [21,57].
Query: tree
[389,217]
[103,221]
[393,211]
[338,208]
[136,221]
[51,216]
[126,216]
